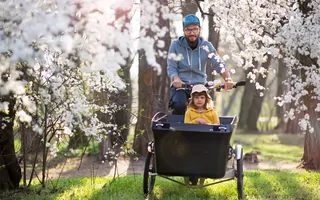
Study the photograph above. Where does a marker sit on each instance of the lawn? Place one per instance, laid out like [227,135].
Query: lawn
[287,148]
[271,184]
[259,184]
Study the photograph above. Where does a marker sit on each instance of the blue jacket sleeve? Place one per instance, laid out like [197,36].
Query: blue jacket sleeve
[172,64]
[215,59]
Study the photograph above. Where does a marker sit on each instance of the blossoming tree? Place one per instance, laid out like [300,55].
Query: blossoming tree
[286,30]
[69,45]
[54,53]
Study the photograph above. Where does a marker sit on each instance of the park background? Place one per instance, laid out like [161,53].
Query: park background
[76,111]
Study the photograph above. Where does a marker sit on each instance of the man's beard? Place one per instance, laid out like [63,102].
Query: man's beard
[192,44]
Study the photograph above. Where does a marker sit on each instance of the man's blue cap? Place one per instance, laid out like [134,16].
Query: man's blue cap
[190,19]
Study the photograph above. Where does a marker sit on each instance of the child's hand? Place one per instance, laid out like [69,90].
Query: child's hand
[201,121]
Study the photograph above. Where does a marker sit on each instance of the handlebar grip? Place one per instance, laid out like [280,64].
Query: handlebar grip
[185,87]
[239,83]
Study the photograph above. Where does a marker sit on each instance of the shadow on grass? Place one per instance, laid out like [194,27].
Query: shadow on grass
[52,190]
[131,187]
[268,184]
[128,187]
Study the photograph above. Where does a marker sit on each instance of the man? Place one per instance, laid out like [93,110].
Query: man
[187,60]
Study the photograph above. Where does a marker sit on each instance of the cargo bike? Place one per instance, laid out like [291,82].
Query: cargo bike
[193,151]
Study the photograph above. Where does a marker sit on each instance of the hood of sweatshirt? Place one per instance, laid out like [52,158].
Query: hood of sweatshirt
[190,65]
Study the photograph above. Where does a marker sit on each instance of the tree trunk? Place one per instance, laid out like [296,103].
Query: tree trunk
[213,37]
[257,101]
[281,75]
[146,107]
[10,171]
[311,154]
[233,98]
[188,7]
[154,98]
[78,139]
[292,125]
[31,140]
[249,89]
[102,98]
[122,98]
[122,117]
[104,145]
[153,91]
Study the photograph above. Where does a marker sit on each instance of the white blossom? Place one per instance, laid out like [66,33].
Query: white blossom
[4,106]
[259,87]
[206,48]
[175,57]
[291,113]
[226,57]
[23,116]
[36,128]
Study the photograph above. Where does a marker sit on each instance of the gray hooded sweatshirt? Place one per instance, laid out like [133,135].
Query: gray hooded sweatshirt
[190,65]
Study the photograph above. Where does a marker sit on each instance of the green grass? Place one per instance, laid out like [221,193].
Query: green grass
[91,150]
[263,184]
[17,144]
[272,184]
[287,148]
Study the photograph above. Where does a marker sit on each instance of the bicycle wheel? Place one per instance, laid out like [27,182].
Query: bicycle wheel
[149,180]
[239,175]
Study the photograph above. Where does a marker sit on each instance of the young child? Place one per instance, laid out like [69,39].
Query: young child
[200,110]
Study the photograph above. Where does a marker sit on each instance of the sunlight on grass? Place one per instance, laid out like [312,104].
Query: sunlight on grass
[72,188]
[17,145]
[266,184]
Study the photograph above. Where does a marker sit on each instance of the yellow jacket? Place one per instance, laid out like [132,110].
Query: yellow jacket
[210,115]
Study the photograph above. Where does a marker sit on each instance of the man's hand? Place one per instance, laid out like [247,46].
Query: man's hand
[228,83]
[177,83]
[201,121]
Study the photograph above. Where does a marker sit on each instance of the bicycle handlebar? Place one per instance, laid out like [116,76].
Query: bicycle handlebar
[217,87]
[235,85]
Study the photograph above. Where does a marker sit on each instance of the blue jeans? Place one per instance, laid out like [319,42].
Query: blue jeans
[179,100]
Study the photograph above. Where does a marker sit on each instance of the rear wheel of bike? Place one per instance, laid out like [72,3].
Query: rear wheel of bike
[239,175]
[149,180]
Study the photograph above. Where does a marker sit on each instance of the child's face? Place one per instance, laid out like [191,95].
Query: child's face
[199,101]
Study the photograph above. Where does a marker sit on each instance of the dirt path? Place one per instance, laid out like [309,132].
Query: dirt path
[91,166]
